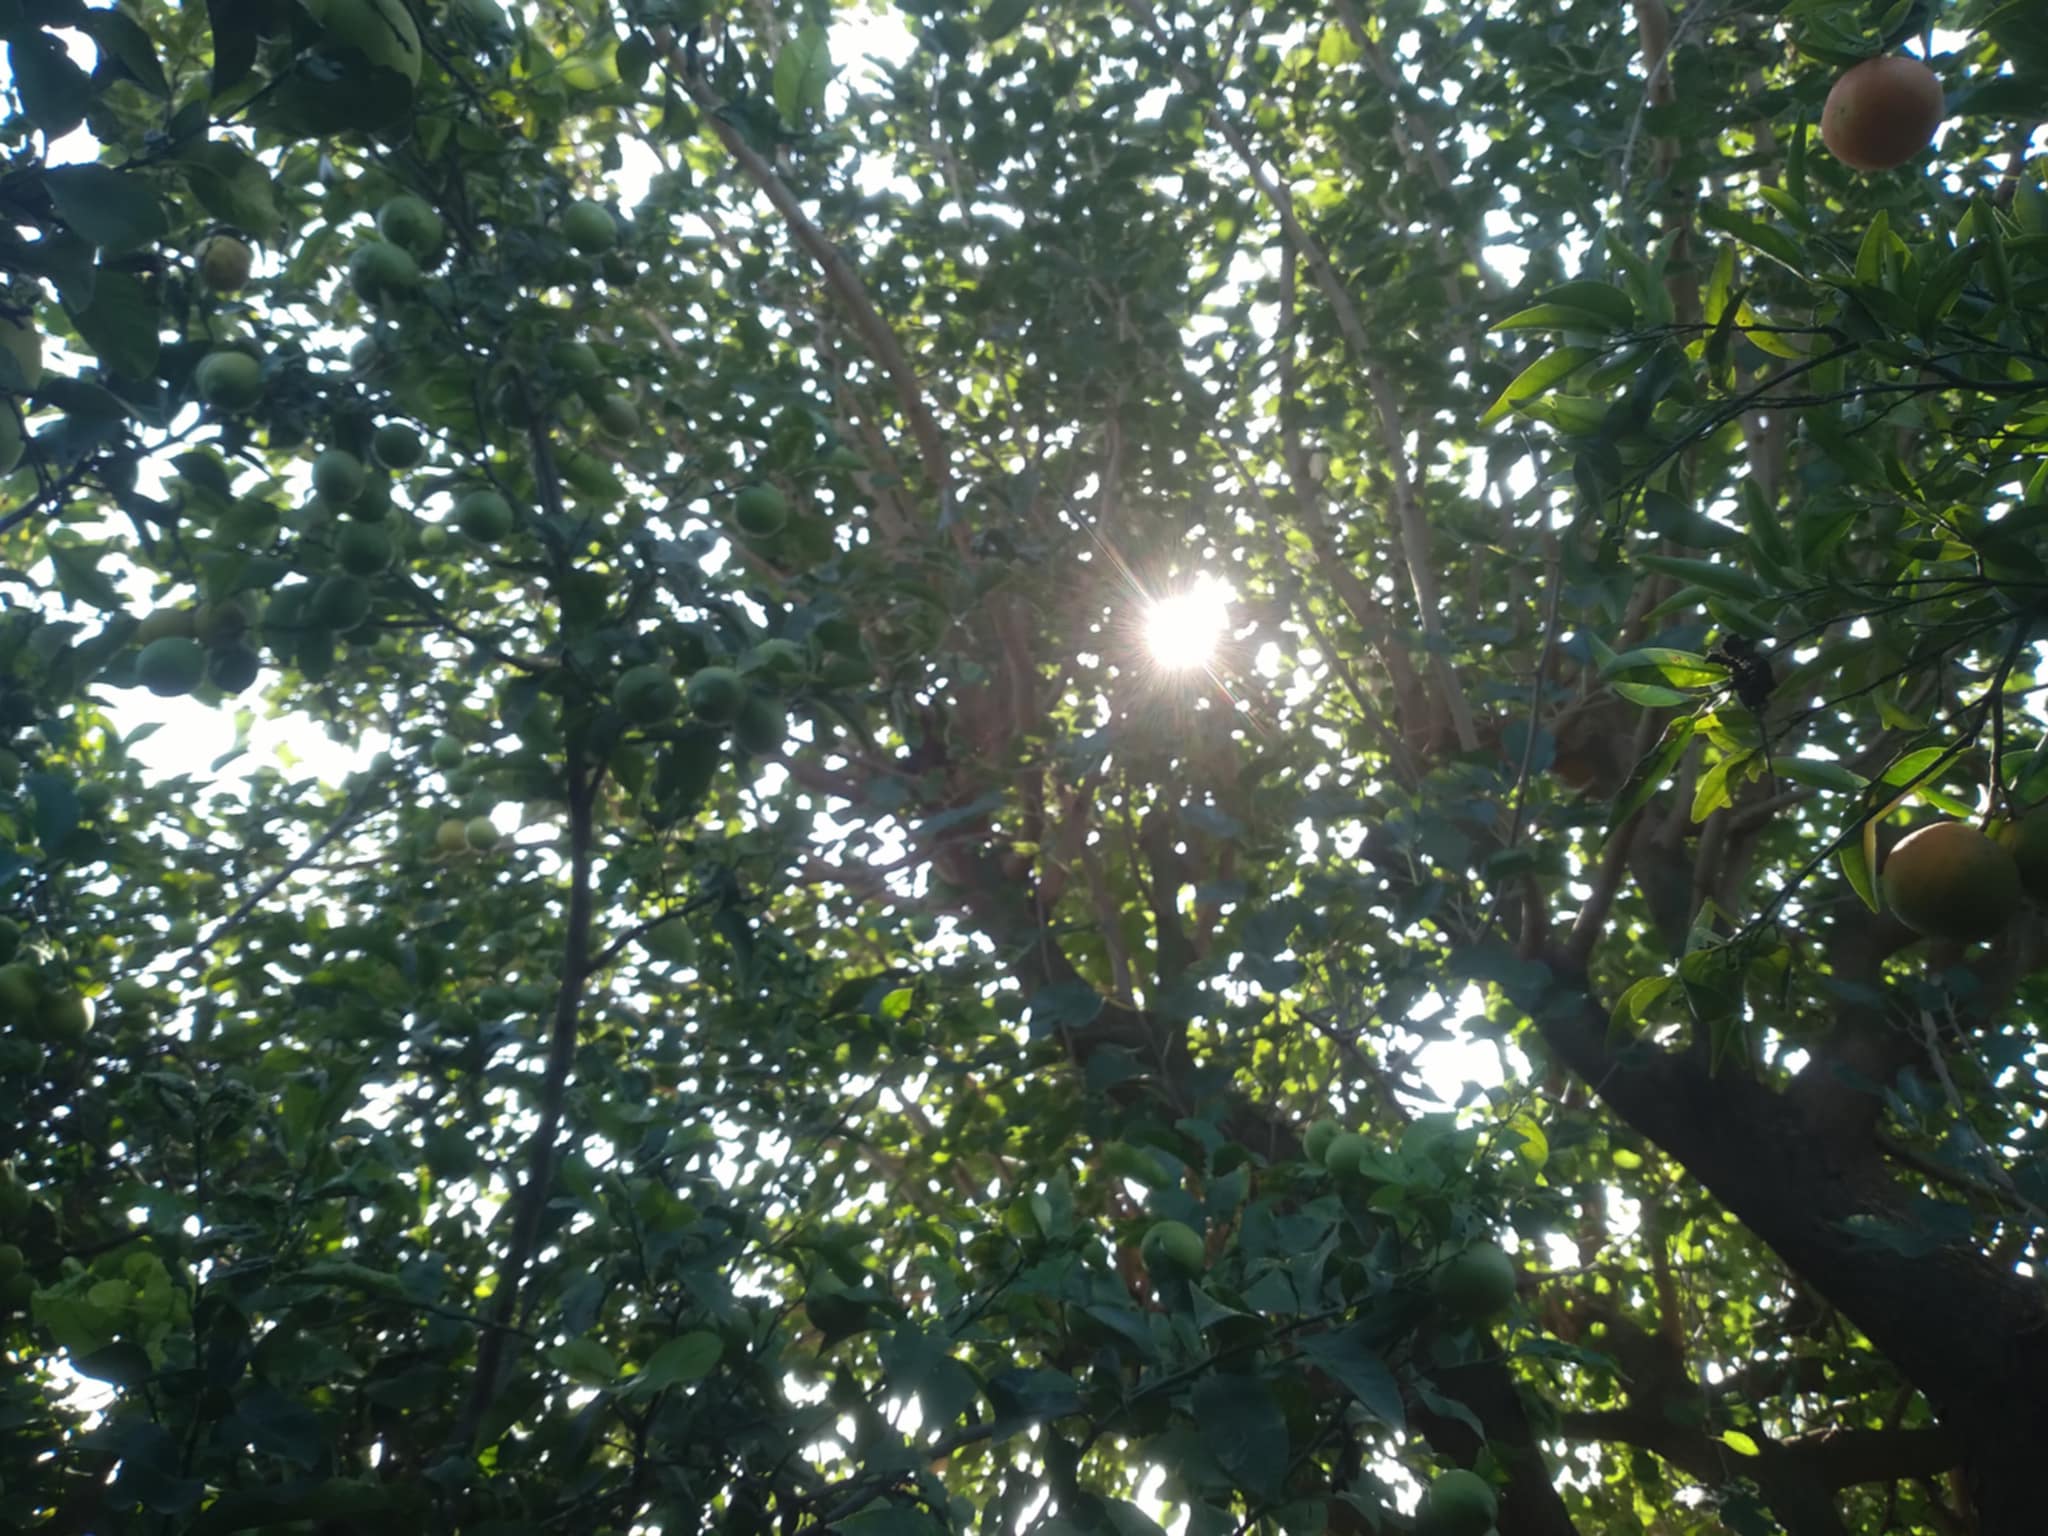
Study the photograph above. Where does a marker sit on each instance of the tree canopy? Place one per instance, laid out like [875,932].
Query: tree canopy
[1071,768]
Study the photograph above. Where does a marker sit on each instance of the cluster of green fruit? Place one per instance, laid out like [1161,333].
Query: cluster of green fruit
[179,649]
[36,1012]
[1951,881]
[472,832]
[744,699]
[17,1285]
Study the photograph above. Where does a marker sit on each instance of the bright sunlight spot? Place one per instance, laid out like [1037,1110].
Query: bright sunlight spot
[1184,629]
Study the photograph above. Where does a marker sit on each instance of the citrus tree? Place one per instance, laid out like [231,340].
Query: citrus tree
[1072,768]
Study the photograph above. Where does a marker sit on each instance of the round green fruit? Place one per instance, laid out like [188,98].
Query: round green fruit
[63,1015]
[616,417]
[225,264]
[224,620]
[577,360]
[1345,1153]
[446,753]
[1460,1503]
[2027,841]
[760,511]
[1172,1248]
[397,446]
[760,726]
[340,603]
[1315,1142]
[715,695]
[338,477]
[12,1262]
[382,31]
[1950,881]
[1475,1283]
[229,381]
[24,343]
[485,516]
[411,224]
[589,227]
[480,833]
[452,836]
[21,989]
[671,941]
[171,666]
[433,539]
[363,549]
[647,695]
[381,272]
[234,667]
[161,623]
[130,993]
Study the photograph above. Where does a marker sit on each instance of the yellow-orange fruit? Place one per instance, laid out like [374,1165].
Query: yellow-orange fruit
[1950,881]
[1881,113]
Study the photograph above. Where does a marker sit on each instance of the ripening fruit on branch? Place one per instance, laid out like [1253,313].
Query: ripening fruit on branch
[382,272]
[338,477]
[397,446]
[225,264]
[229,381]
[1172,1248]
[452,836]
[1476,1283]
[171,666]
[410,223]
[760,511]
[1460,1503]
[446,753]
[1315,1142]
[480,833]
[589,227]
[1882,113]
[647,695]
[616,417]
[363,549]
[761,726]
[485,516]
[1950,881]
[715,695]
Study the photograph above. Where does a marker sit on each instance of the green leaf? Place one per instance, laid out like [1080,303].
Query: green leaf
[1821,774]
[583,1360]
[1243,1428]
[1633,1006]
[802,71]
[1728,580]
[1739,1443]
[1546,373]
[55,92]
[1358,1367]
[233,186]
[120,324]
[118,34]
[117,211]
[1855,866]
[1606,306]
[1681,669]
[1713,791]
[1651,695]
[684,1359]
[2021,31]
[1002,17]
[1774,243]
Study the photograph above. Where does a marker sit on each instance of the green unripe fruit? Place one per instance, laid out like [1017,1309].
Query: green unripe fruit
[447,753]
[411,224]
[21,341]
[171,666]
[21,989]
[382,31]
[589,227]
[577,360]
[715,695]
[671,941]
[160,623]
[433,539]
[94,796]
[1345,1153]
[233,668]
[1460,1503]
[452,836]
[1316,1143]
[1476,1283]
[130,993]
[363,549]
[1950,881]
[225,264]
[340,603]
[1172,1248]
[485,516]
[397,446]
[616,416]
[647,695]
[381,272]
[760,727]
[63,1015]
[760,511]
[481,833]
[12,1262]
[224,620]
[338,477]
[229,381]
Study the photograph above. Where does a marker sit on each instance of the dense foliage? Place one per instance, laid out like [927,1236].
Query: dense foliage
[814,998]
